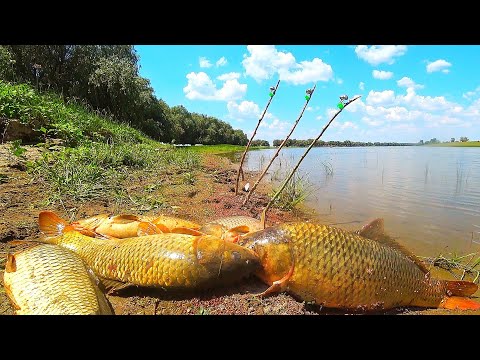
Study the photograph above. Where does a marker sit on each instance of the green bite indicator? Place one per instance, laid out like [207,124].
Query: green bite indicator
[307,97]
[340,105]
[271,94]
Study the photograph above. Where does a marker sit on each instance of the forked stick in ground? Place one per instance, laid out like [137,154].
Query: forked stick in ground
[240,170]
[264,213]
[249,194]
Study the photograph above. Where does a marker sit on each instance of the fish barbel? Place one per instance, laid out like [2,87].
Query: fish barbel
[171,260]
[51,280]
[339,269]
[232,227]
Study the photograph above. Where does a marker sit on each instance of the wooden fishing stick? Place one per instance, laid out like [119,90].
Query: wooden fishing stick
[264,213]
[240,170]
[279,148]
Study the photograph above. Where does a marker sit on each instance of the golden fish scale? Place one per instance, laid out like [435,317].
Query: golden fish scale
[170,221]
[234,221]
[51,280]
[165,260]
[341,269]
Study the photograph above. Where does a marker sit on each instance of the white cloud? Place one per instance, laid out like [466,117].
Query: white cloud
[469,95]
[409,83]
[380,97]
[204,62]
[264,61]
[348,124]
[371,122]
[201,87]
[246,110]
[361,86]
[376,55]
[229,76]
[339,81]
[439,65]
[221,62]
[319,117]
[382,75]
[309,108]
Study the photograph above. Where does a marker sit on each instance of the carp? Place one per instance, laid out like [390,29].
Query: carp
[50,280]
[170,260]
[366,270]
[231,228]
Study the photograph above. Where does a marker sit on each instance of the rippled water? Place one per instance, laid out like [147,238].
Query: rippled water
[428,196]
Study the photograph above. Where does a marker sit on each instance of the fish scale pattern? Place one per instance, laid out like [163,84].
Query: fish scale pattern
[51,280]
[336,268]
[165,260]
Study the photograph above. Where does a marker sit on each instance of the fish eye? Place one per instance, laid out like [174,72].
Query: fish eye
[236,255]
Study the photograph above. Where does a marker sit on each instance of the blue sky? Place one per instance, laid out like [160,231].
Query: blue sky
[408,92]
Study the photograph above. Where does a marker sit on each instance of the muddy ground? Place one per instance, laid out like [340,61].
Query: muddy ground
[212,196]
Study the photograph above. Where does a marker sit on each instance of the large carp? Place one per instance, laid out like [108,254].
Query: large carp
[340,269]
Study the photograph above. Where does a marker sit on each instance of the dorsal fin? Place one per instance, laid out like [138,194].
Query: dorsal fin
[375,230]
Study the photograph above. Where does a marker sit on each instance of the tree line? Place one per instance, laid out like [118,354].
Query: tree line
[320,143]
[106,78]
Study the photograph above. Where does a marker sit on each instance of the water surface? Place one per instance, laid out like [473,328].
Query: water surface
[428,196]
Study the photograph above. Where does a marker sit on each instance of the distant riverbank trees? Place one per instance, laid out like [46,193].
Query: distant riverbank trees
[346,143]
[106,78]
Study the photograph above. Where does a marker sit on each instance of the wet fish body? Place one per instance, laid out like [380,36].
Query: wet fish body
[340,269]
[50,280]
[232,227]
[172,261]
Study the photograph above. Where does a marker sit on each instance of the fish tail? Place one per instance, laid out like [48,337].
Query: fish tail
[459,303]
[52,225]
[457,296]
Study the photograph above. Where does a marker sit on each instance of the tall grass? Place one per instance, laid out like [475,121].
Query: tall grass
[88,171]
[295,192]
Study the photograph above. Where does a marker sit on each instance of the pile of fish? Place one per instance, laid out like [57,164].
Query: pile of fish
[72,267]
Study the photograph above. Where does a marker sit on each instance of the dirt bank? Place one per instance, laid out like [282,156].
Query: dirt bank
[212,196]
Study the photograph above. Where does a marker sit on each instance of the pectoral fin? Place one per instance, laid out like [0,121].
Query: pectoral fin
[279,285]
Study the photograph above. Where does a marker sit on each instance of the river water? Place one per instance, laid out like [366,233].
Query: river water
[429,197]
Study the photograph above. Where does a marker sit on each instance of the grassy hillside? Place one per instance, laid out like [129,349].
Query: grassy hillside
[85,154]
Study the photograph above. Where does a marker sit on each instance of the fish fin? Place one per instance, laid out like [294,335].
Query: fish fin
[51,224]
[279,285]
[232,237]
[461,288]
[241,229]
[86,232]
[11,265]
[124,219]
[106,237]
[162,228]
[93,222]
[111,286]
[459,303]
[147,228]
[187,231]
[375,230]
